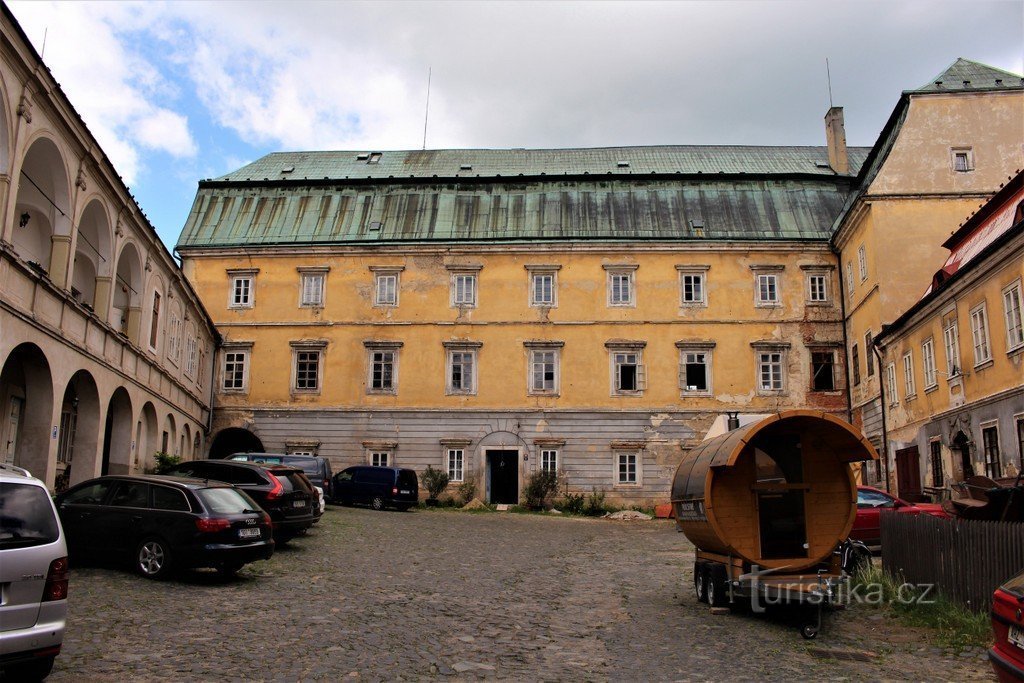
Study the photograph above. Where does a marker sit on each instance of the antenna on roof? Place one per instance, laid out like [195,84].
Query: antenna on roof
[828,74]
[42,53]
[426,113]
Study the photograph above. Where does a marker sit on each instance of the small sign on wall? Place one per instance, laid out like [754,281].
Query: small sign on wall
[54,432]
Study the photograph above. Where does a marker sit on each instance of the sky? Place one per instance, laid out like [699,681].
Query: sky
[176,92]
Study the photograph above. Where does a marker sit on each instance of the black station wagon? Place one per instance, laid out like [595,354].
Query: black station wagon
[162,524]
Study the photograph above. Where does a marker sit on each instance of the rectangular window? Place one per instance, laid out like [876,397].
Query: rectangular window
[628,371]
[379,458]
[1012,315]
[928,363]
[693,291]
[817,288]
[549,460]
[312,290]
[951,338]
[890,382]
[862,263]
[869,353]
[542,289]
[456,457]
[855,364]
[620,288]
[962,159]
[307,370]
[386,289]
[979,332]
[767,289]
[626,468]
[544,374]
[908,375]
[849,279]
[695,373]
[769,371]
[990,441]
[154,325]
[936,457]
[461,373]
[235,366]
[190,354]
[464,289]
[1020,444]
[241,292]
[382,371]
[823,370]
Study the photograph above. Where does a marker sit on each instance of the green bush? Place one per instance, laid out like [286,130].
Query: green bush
[595,504]
[572,503]
[540,488]
[165,462]
[466,491]
[434,481]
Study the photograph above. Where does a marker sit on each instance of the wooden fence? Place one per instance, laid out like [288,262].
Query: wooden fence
[966,560]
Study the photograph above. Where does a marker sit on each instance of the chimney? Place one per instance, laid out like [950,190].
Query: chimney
[835,137]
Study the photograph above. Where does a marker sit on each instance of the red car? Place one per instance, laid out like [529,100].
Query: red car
[871,502]
[1007,654]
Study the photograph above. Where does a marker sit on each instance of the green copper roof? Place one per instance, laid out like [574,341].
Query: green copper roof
[492,163]
[963,75]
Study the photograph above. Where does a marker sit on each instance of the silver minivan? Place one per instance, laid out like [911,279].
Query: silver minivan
[33,577]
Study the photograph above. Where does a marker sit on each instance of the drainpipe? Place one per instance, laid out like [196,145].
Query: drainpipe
[885,429]
[846,345]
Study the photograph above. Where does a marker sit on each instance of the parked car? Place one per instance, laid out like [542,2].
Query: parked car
[378,487]
[33,577]
[282,491]
[316,467]
[163,524]
[871,502]
[1007,653]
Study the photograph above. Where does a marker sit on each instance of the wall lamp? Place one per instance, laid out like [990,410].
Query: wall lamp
[24,219]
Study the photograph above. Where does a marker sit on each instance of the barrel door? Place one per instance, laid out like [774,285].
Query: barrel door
[779,489]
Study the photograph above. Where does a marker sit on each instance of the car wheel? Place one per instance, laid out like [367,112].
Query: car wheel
[377,503]
[809,631]
[153,558]
[29,671]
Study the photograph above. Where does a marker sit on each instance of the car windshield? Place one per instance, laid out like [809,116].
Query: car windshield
[1015,585]
[26,516]
[226,501]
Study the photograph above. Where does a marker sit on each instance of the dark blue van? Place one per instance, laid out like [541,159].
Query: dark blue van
[378,487]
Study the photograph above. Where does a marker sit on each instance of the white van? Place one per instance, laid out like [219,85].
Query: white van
[33,577]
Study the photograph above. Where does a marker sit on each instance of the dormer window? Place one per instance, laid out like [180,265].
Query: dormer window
[374,157]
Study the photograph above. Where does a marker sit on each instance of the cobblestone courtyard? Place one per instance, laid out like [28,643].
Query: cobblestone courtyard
[420,595]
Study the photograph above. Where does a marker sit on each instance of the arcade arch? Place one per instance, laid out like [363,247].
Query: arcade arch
[26,396]
[42,225]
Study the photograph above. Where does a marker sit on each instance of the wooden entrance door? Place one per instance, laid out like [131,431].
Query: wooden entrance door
[503,476]
[908,473]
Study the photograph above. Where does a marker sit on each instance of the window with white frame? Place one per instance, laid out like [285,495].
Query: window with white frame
[890,383]
[241,288]
[385,285]
[382,366]
[817,278]
[380,458]
[621,290]
[910,389]
[312,283]
[862,262]
[1012,316]
[549,460]
[627,468]
[463,286]
[849,279]
[235,371]
[693,285]
[962,159]
[990,446]
[695,367]
[154,323]
[456,463]
[174,338]
[461,367]
[307,366]
[543,367]
[191,349]
[979,334]
[951,340]
[928,363]
[543,285]
[767,285]
[627,370]
[771,367]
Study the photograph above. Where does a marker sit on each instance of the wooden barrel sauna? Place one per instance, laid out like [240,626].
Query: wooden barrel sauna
[775,493]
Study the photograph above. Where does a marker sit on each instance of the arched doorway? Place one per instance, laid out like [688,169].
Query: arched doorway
[962,445]
[146,447]
[26,396]
[185,442]
[168,437]
[42,211]
[234,440]
[117,434]
[78,433]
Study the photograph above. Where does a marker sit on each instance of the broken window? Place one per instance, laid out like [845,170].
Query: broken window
[823,371]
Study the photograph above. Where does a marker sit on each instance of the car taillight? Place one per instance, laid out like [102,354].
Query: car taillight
[209,525]
[278,488]
[56,587]
[394,490]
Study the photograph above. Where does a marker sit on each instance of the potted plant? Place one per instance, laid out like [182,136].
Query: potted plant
[434,481]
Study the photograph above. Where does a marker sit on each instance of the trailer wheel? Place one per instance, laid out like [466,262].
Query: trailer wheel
[716,589]
[700,583]
[809,631]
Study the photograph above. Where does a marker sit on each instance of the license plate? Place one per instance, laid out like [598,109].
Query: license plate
[298,503]
[404,492]
[1016,636]
[248,533]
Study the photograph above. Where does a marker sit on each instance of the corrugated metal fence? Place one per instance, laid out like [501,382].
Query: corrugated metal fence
[965,559]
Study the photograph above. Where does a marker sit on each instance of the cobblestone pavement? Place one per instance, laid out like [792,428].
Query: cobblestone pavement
[461,596]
